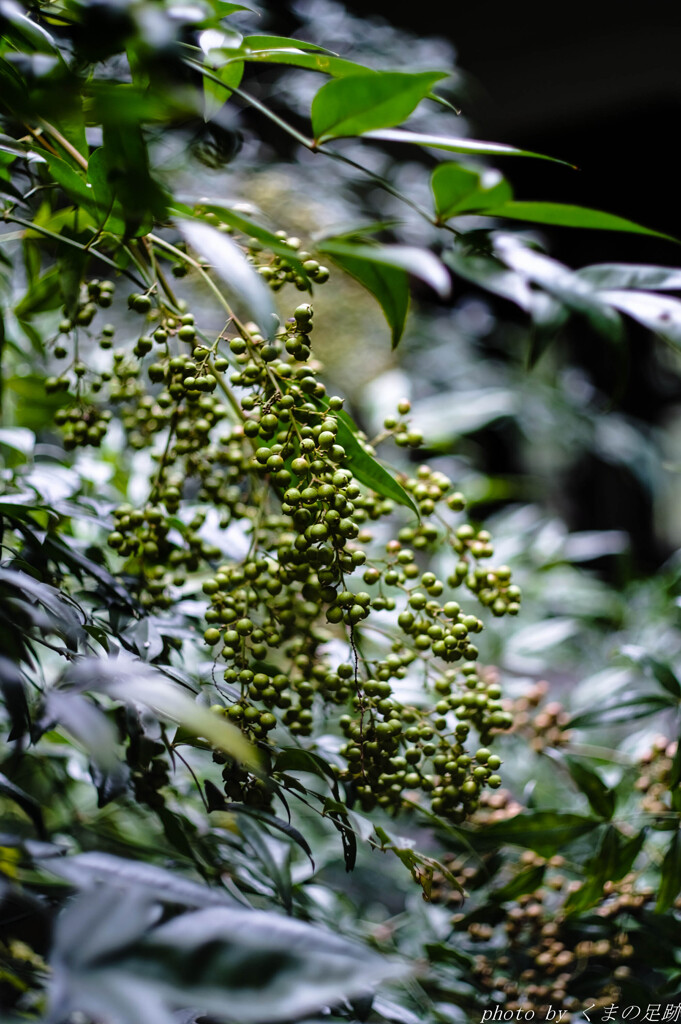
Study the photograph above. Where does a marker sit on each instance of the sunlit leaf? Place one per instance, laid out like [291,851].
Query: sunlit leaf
[363,102]
[454,145]
[458,189]
[564,215]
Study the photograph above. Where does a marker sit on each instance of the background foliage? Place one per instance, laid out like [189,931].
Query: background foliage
[245,768]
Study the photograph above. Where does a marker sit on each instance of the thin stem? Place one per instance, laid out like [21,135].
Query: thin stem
[289,129]
[64,143]
[69,241]
[161,242]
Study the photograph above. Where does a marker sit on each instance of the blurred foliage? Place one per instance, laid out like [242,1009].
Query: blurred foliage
[250,747]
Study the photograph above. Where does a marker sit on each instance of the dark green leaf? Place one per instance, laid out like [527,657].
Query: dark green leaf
[274,822]
[541,831]
[621,710]
[527,880]
[366,468]
[42,295]
[364,102]
[670,879]
[600,797]
[389,285]
[564,215]
[26,29]
[254,965]
[659,670]
[14,695]
[25,801]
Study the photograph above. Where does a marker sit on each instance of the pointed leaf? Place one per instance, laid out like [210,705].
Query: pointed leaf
[455,145]
[365,467]
[564,215]
[25,801]
[253,965]
[541,831]
[135,681]
[325,63]
[230,264]
[458,189]
[389,285]
[601,798]
[214,95]
[363,102]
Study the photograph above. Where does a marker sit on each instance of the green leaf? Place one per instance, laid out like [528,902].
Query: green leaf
[76,187]
[224,9]
[42,295]
[129,680]
[455,145]
[365,467]
[389,285]
[214,95]
[625,275]
[564,215]
[670,878]
[25,801]
[458,189]
[364,102]
[621,710]
[601,798]
[541,831]
[658,313]
[27,30]
[230,264]
[126,166]
[659,670]
[419,262]
[279,50]
[528,880]
[560,282]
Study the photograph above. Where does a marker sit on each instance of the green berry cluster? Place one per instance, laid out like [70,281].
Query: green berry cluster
[241,424]
[83,424]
